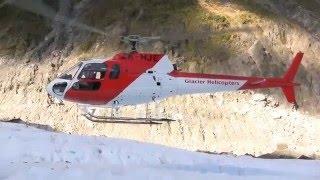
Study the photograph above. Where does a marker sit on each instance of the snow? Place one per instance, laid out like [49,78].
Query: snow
[30,153]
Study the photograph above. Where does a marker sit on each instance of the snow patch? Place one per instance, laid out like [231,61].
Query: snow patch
[30,153]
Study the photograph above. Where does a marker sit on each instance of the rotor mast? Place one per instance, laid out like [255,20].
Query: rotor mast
[134,40]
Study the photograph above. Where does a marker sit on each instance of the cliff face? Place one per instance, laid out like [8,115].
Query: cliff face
[230,37]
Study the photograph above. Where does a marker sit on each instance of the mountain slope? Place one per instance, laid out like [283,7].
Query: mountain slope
[231,37]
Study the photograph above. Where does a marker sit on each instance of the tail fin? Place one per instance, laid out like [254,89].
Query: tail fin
[292,71]
[288,90]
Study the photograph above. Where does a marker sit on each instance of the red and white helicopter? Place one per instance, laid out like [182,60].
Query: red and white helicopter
[137,78]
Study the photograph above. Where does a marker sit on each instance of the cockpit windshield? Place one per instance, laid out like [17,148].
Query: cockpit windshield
[69,74]
[93,71]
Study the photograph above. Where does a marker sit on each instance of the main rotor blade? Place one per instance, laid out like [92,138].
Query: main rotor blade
[38,7]
[4,3]
[245,29]
[176,37]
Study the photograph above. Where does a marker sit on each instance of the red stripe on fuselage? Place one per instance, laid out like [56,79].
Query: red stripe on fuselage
[251,82]
[210,76]
[132,66]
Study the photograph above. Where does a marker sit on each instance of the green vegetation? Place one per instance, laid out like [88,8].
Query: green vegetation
[20,30]
[256,7]
[146,17]
[157,17]
[246,18]
[310,5]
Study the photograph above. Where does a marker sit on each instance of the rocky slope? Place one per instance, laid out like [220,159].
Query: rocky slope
[235,37]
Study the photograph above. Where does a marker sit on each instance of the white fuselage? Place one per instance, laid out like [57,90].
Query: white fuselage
[157,84]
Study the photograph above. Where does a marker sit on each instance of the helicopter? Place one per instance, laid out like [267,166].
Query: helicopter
[132,78]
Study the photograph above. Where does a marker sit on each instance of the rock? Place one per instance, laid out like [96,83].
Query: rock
[278,114]
[259,97]
[220,99]
[255,51]
[245,109]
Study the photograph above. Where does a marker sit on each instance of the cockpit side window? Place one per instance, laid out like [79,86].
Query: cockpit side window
[86,86]
[115,71]
[69,74]
[93,71]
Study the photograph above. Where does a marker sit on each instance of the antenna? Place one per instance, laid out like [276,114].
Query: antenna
[134,40]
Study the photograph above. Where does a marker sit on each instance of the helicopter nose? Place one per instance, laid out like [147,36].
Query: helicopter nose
[56,88]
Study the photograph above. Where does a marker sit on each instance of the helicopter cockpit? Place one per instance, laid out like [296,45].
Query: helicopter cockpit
[85,75]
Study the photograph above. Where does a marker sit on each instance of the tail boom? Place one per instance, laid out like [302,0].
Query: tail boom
[200,83]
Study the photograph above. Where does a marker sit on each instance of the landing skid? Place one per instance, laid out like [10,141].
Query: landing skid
[125,120]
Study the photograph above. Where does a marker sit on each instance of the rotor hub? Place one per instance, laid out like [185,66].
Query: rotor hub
[134,40]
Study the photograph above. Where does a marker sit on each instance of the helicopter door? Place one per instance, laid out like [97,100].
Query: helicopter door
[88,87]
[164,84]
[91,76]
[154,89]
